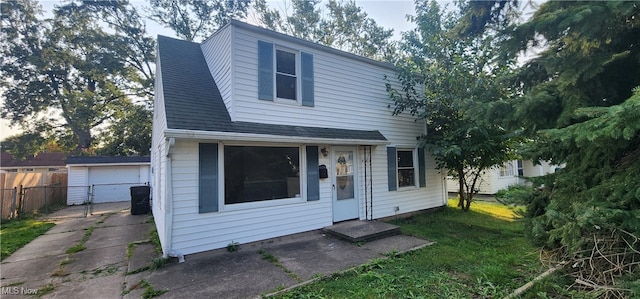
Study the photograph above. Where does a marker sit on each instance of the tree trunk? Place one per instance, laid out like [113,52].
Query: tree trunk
[461,188]
[84,140]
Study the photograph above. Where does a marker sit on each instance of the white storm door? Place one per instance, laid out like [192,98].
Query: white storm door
[345,190]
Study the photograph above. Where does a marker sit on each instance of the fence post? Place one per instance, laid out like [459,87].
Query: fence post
[46,207]
[86,202]
[93,192]
[13,213]
[20,203]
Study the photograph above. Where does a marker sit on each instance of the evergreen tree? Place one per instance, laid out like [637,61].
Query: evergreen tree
[579,109]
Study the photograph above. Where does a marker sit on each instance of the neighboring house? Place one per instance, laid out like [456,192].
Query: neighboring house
[40,163]
[105,179]
[257,134]
[510,173]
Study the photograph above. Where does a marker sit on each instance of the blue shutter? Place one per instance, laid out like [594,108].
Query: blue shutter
[208,178]
[422,174]
[265,71]
[313,175]
[392,161]
[307,79]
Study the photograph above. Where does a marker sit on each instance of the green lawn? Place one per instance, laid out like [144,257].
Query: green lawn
[478,254]
[17,233]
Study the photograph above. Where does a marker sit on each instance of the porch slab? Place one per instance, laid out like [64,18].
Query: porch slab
[362,231]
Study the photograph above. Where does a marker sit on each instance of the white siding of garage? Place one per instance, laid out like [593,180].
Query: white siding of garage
[78,185]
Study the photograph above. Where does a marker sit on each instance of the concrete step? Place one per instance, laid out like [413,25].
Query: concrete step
[362,231]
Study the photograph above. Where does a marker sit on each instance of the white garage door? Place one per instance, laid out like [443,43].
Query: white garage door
[112,183]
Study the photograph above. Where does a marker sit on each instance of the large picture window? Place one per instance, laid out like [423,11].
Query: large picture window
[406,169]
[286,80]
[253,173]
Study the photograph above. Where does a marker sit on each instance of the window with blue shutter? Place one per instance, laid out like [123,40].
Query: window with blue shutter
[422,173]
[265,71]
[313,175]
[278,77]
[208,178]
[392,168]
[307,79]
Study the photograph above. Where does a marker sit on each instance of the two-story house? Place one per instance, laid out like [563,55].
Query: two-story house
[258,134]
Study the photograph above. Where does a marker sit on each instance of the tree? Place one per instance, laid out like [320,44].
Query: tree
[66,77]
[446,82]
[195,20]
[580,110]
[130,136]
[343,25]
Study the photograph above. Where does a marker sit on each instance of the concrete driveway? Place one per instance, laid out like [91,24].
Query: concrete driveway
[43,266]
[105,270]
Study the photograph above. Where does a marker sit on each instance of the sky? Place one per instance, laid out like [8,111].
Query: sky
[387,13]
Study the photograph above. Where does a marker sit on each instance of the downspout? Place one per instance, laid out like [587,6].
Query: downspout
[366,184]
[371,181]
[168,204]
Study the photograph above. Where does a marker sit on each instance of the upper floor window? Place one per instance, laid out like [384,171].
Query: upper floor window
[286,79]
[285,74]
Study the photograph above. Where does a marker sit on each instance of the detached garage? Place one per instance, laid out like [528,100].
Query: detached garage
[105,179]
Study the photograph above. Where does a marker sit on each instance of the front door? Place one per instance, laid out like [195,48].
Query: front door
[345,197]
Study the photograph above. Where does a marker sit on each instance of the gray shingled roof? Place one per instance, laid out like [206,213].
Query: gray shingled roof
[193,102]
[108,159]
[42,159]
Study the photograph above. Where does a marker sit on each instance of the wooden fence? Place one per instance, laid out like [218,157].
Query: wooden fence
[28,192]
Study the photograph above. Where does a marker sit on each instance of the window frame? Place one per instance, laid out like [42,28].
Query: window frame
[223,206]
[298,75]
[414,161]
[506,170]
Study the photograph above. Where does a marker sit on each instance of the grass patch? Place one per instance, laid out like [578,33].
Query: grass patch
[478,254]
[274,260]
[155,240]
[76,248]
[149,291]
[80,246]
[45,290]
[17,233]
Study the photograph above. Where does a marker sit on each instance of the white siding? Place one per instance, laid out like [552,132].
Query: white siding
[531,170]
[349,94]
[406,199]
[195,232]
[78,184]
[484,182]
[158,158]
[502,182]
[217,53]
